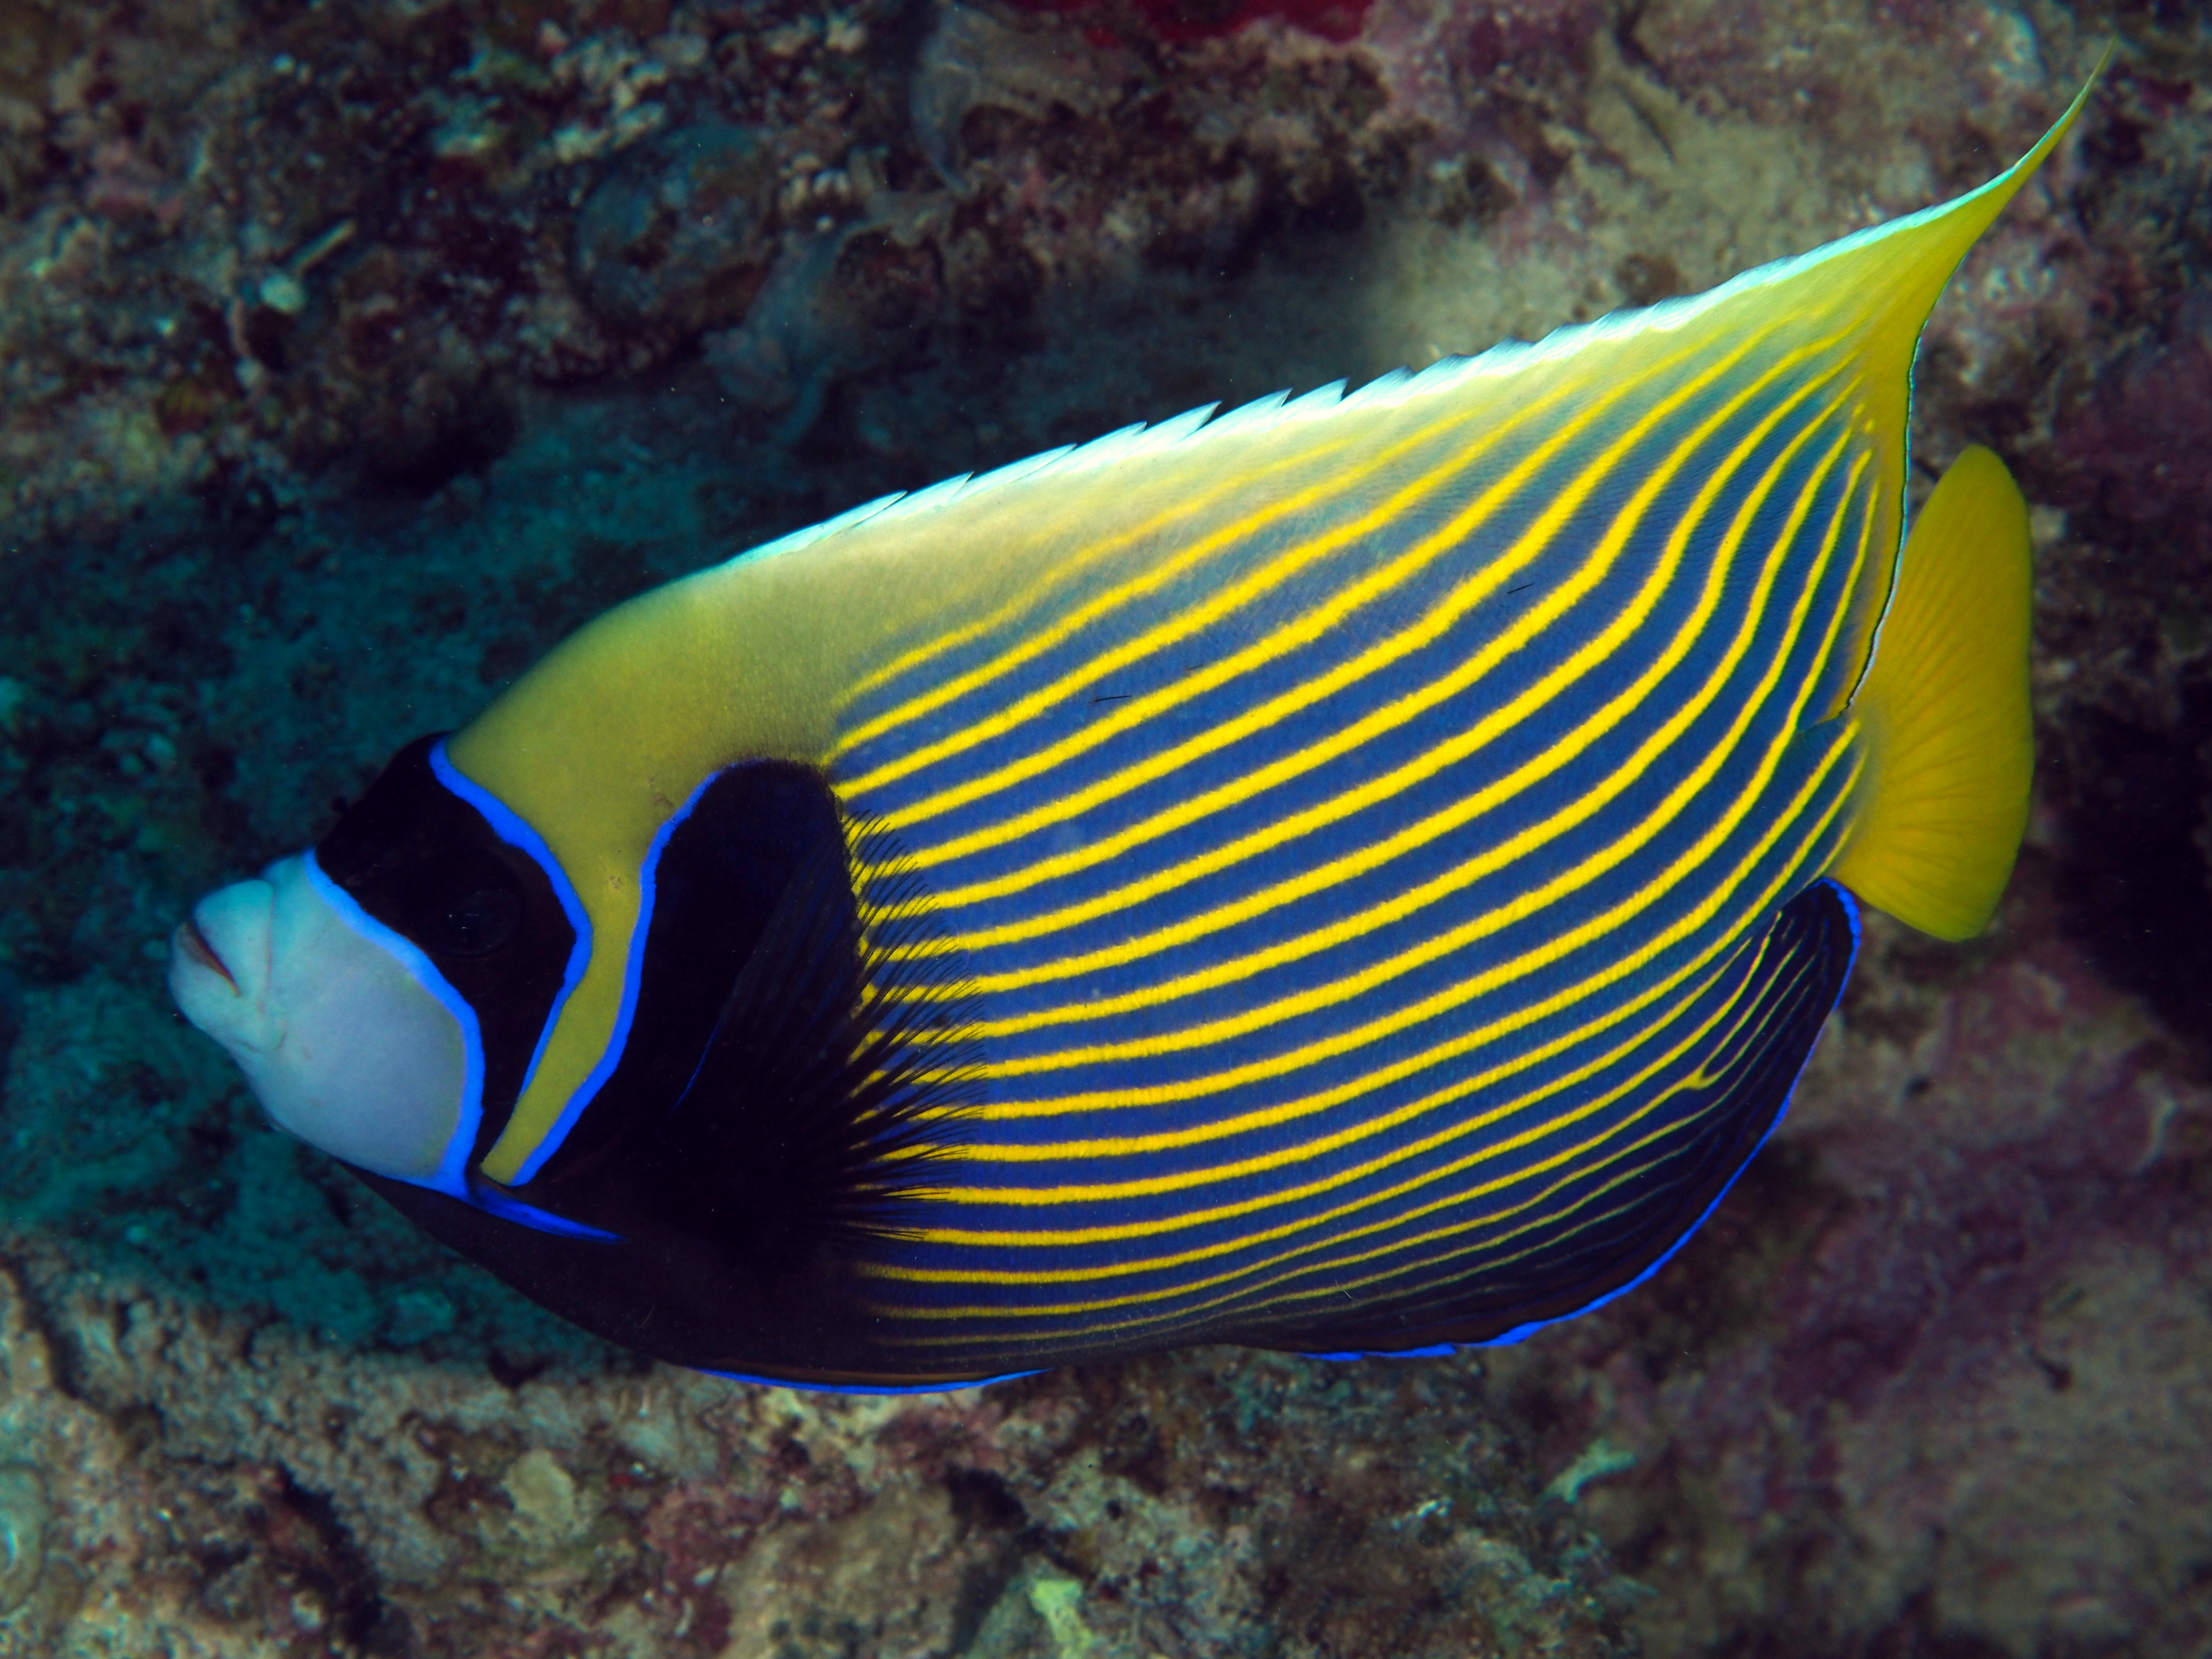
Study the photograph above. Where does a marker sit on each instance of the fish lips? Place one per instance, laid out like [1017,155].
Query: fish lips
[221,965]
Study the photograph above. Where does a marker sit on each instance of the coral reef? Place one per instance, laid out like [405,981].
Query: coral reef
[354,353]
[237,1481]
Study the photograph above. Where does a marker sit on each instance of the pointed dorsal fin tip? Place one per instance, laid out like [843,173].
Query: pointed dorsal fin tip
[1205,423]
[2002,185]
[1671,313]
[1251,416]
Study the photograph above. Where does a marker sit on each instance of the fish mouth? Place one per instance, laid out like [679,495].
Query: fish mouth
[193,944]
[221,966]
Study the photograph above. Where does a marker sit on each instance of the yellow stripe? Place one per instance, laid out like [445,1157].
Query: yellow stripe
[1306,1151]
[1429,1178]
[1308,628]
[1522,1060]
[1467,1041]
[1844,745]
[1245,1123]
[1534,1202]
[1061,573]
[1209,1308]
[1157,1226]
[1421,833]
[1186,558]
[1311,1105]
[1522,905]
[1333,1238]
[1220,605]
[1397,713]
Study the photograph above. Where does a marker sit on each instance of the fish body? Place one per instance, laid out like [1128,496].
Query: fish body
[1357,874]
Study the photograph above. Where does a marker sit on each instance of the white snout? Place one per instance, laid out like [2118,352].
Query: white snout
[219,967]
[339,1041]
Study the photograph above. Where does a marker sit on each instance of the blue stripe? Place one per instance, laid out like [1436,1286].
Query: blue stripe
[869,1387]
[495,1200]
[513,829]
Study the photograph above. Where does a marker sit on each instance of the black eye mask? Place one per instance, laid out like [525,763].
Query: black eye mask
[426,864]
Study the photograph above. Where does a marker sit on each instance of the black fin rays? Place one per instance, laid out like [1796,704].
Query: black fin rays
[1804,961]
[831,1081]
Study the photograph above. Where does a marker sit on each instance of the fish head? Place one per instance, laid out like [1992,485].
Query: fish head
[387,991]
[339,1037]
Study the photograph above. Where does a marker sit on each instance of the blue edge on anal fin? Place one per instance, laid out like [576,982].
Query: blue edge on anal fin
[1522,1333]
[1516,1334]
[877,1387]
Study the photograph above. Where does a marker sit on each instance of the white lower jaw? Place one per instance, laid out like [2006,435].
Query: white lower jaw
[339,1040]
[230,1003]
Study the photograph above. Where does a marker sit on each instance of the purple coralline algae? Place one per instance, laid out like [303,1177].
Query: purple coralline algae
[351,354]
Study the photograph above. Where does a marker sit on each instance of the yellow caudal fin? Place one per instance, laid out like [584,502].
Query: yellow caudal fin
[1950,746]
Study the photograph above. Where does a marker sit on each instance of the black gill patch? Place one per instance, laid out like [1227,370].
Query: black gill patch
[1806,958]
[776,1110]
[426,864]
[791,1070]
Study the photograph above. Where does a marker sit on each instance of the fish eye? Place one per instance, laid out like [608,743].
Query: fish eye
[474,908]
[480,920]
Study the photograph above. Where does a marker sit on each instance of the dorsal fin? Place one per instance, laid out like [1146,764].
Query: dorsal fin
[1880,283]
[762,657]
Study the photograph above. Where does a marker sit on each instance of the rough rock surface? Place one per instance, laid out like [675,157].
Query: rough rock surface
[351,354]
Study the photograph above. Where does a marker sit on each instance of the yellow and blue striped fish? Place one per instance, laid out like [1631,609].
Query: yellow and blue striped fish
[1357,874]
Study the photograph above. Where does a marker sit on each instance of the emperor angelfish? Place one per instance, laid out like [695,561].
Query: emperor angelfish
[1360,874]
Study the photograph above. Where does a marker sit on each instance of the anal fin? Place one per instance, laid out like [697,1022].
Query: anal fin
[1952,745]
[1781,1007]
